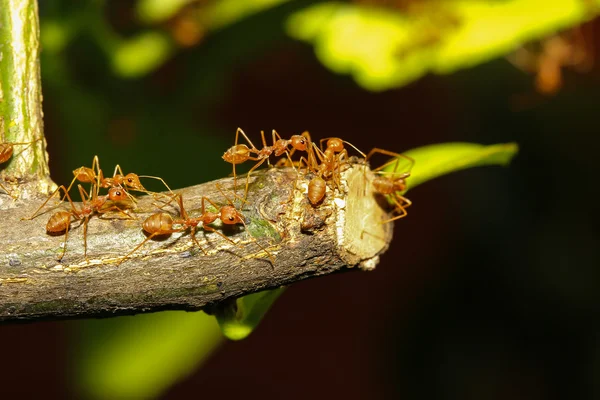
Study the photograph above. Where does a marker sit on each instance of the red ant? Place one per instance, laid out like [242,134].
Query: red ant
[332,159]
[239,153]
[390,183]
[95,176]
[161,223]
[6,152]
[61,221]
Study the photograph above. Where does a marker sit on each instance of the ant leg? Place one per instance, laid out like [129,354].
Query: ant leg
[138,246]
[9,192]
[396,159]
[47,200]
[400,208]
[312,158]
[193,234]
[355,148]
[255,241]
[407,202]
[211,229]
[65,241]
[224,195]
[113,208]
[258,164]
[85,226]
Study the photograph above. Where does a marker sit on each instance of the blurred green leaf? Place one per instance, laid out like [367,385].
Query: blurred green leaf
[384,48]
[225,12]
[153,11]
[140,357]
[238,319]
[141,54]
[441,159]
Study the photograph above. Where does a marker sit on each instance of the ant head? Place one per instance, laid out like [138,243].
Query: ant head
[335,144]
[231,216]
[299,142]
[117,194]
[133,181]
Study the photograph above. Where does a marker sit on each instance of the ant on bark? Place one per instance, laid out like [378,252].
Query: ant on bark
[92,204]
[240,153]
[332,159]
[161,223]
[95,176]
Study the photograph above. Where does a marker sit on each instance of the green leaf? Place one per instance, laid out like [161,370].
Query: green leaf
[238,319]
[139,357]
[141,54]
[441,159]
[385,48]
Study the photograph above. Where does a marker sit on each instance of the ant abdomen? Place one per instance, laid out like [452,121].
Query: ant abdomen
[159,222]
[316,190]
[6,152]
[58,223]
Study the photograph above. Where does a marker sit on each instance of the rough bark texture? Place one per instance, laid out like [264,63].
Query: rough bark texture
[27,173]
[173,273]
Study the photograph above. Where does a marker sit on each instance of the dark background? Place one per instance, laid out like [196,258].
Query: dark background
[490,289]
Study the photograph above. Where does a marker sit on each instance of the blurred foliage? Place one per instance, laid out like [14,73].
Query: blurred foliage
[440,159]
[386,47]
[239,318]
[140,357]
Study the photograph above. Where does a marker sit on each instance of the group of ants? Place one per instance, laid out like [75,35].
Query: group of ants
[324,163]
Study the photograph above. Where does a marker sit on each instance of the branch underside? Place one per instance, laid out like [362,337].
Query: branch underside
[285,240]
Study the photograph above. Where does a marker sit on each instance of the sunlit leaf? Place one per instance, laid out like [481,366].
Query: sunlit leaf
[140,357]
[441,159]
[237,320]
[385,48]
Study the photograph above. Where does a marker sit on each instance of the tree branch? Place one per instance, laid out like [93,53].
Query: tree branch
[286,239]
[21,98]
[304,242]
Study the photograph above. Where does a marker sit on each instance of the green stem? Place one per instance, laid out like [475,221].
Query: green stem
[21,92]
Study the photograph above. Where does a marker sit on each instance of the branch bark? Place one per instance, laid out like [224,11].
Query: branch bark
[304,241]
[286,239]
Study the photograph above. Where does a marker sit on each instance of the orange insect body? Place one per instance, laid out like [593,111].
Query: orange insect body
[386,185]
[239,153]
[60,221]
[316,190]
[6,152]
[162,223]
[391,183]
[332,159]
